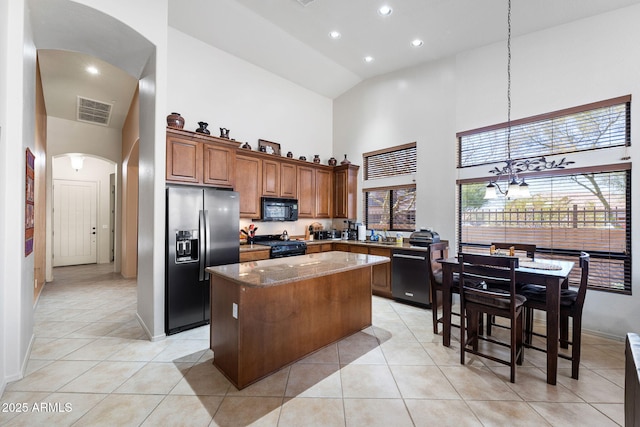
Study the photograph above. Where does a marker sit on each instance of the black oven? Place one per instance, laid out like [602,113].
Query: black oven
[277,209]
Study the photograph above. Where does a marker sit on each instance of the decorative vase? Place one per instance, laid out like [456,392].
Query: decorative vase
[175,120]
[302,158]
[290,154]
[262,148]
[246,146]
[333,161]
[224,133]
[203,128]
[316,159]
[345,161]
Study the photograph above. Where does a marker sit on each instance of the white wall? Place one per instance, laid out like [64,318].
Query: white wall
[582,62]
[411,105]
[98,171]
[209,85]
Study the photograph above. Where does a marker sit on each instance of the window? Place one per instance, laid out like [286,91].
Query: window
[389,188]
[585,208]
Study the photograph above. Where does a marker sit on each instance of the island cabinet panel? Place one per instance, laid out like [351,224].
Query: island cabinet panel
[184,160]
[381,279]
[277,325]
[246,256]
[324,193]
[249,185]
[218,166]
[288,181]
[270,178]
[306,192]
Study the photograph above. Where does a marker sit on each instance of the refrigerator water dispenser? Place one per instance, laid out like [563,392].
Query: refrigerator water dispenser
[186,246]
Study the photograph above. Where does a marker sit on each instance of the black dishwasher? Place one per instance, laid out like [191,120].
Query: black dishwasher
[410,276]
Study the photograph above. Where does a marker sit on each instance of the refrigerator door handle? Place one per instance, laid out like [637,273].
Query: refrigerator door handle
[207,245]
[202,246]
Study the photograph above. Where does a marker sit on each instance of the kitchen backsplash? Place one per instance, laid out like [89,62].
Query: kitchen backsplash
[294,228]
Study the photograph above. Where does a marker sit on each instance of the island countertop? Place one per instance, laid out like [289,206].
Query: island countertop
[278,271]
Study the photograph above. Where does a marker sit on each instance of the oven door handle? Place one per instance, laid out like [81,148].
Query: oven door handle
[416,257]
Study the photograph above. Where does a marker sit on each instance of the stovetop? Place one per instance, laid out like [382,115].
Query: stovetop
[274,240]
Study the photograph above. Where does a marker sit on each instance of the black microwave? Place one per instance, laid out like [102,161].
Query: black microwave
[276,209]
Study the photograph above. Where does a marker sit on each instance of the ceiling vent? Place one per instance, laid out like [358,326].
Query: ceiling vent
[305,2]
[92,111]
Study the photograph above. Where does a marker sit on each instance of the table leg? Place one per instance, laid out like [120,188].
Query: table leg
[553,327]
[447,278]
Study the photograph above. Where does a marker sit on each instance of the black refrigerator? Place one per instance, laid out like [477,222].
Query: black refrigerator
[202,231]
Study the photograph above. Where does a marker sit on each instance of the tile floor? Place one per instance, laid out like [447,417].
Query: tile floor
[91,365]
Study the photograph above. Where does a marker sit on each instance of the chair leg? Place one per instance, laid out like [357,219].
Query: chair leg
[463,337]
[519,339]
[528,325]
[575,345]
[564,331]
[434,310]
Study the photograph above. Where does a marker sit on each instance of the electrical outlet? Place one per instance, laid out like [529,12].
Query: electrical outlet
[235,310]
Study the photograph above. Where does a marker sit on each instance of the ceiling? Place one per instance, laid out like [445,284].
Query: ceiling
[291,40]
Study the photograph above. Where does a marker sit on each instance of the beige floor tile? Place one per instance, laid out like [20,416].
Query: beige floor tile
[105,377]
[203,379]
[496,413]
[33,365]
[407,353]
[312,412]
[572,414]
[394,331]
[360,348]
[52,376]
[616,376]
[423,382]
[328,354]
[183,351]
[476,382]
[248,411]
[184,411]
[57,329]
[99,349]
[155,378]
[273,385]
[368,381]
[615,411]
[531,385]
[441,413]
[140,350]
[58,348]
[314,380]
[58,409]
[19,403]
[120,410]
[602,357]
[592,387]
[376,413]
[95,330]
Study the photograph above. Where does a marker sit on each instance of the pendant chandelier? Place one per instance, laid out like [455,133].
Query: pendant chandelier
[513,186]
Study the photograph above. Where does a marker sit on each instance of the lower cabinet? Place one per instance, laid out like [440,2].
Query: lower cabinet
[246,256]
[381,274]
[319,247]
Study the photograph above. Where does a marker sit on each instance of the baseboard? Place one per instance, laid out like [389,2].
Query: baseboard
[148,332]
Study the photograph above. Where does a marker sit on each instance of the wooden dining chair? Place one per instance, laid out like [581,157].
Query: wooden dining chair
[526,249]
[438,251]
[476,300]
[571,304]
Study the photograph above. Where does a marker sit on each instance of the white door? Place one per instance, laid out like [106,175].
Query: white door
[74,222]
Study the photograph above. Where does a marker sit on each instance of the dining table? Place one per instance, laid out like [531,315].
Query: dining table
[552,274]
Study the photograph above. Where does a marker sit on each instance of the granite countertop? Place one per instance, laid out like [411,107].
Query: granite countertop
[279,271]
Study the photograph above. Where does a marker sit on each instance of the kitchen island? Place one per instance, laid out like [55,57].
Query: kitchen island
[268,314]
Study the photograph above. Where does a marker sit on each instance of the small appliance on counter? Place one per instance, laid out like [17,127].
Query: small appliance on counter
[424,237]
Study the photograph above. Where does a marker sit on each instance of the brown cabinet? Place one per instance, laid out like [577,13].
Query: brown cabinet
[199,159]
[381,274]
[319,247]
[270,178]
[184,160]
[249,185]
[344,247]
[288,180]
[324,191]
[255,255]
[306,191]
[345,188]
[218,165]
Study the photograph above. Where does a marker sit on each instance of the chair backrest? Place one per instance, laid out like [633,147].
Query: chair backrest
[490,269]
[529,249]
[437,251]
[585,259]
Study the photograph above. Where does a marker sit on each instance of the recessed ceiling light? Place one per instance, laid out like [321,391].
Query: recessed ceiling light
[417,43]
[368,59]
[335,35]
[92,70]
[385,10]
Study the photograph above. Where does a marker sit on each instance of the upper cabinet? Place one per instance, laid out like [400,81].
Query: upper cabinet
[306,192]
[324,193]
[345,188]
[249,185]
[199,159]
